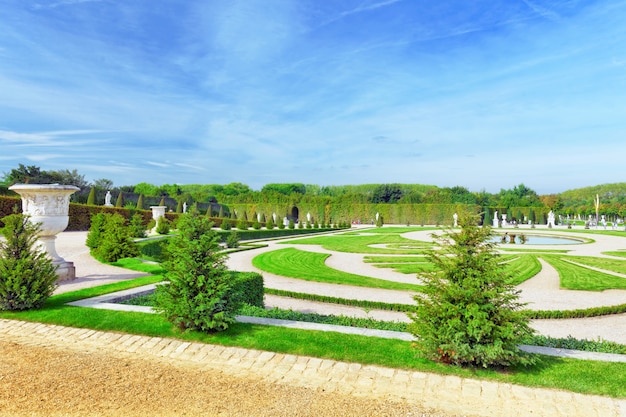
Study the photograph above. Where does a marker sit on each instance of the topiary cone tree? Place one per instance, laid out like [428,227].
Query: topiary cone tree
[469,313]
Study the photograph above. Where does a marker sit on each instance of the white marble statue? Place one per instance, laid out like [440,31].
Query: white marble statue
[107,199]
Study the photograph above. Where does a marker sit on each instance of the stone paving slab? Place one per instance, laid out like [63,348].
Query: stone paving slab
[448,393]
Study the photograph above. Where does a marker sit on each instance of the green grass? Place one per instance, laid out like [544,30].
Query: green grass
[310,266]
[522,268]
[355,243]
[620,253]
[574,277]
[589,377]
[613,265]
[394,259]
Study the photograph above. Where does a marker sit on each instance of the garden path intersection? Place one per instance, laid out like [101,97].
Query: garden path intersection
[450,394]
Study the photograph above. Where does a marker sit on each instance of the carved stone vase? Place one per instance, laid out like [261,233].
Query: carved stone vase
[49,205]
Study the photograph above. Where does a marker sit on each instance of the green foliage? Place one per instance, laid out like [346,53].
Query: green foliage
[269,225]
[91,199]
[248,288]
[163,226]
[232,241]
[286,189]
[387,193]
[292,224]
[110,239]
[137,228]
[153,249]
[379,221]
[198,293]
[242,224]
[226,225]
[27,275]
[94,237]
[120,200]
[469,312]
[140,204]
[256,225]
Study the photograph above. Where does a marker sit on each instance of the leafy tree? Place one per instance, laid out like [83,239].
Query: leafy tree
[27,275]
[67,177]
[269,225]
[469,313]
[198,292]
[387,193]
[286,189]
[27,175]
[236,188]
[103,184]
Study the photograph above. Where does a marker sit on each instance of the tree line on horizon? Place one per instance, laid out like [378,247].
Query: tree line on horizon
[573,202]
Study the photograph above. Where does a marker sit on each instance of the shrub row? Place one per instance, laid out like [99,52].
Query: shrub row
[576,314]
[365,304]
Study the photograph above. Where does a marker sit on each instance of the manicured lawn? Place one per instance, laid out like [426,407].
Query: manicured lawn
[574,277]
[613,265]
[590,377]
[356,243]
[310,266]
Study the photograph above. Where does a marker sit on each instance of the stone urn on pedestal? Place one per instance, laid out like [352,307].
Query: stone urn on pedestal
[158,212]
[49,205]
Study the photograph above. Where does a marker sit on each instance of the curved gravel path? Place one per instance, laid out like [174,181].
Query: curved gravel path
[541,292]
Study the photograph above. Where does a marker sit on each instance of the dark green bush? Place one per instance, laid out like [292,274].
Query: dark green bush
[153,249]
[198,293]
[469,313]
[27,275]
[232,241]
[137,227]
[163,226]
[226,225]
[114,240]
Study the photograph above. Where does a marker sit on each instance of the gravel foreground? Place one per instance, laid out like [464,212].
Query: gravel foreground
[48,381]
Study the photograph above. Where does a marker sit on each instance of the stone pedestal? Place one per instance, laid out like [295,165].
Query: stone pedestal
[48,205]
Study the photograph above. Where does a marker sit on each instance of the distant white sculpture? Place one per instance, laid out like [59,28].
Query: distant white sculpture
[107,199]
[377,216]
[285,221]
[456,218]
[551,219]
[308,217]
[185,207]
[274,217]
[504,222]
[495,219]
[258,217]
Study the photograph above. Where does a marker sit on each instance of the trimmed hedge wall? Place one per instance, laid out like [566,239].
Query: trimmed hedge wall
[326,211]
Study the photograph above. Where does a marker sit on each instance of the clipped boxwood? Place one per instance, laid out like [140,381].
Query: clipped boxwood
[249,287]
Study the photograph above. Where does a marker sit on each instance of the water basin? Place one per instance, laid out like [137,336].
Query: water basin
[539,240]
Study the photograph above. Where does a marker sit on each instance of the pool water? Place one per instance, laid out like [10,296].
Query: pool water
[540,240]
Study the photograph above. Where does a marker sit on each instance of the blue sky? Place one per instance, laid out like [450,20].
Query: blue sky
[485,94]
